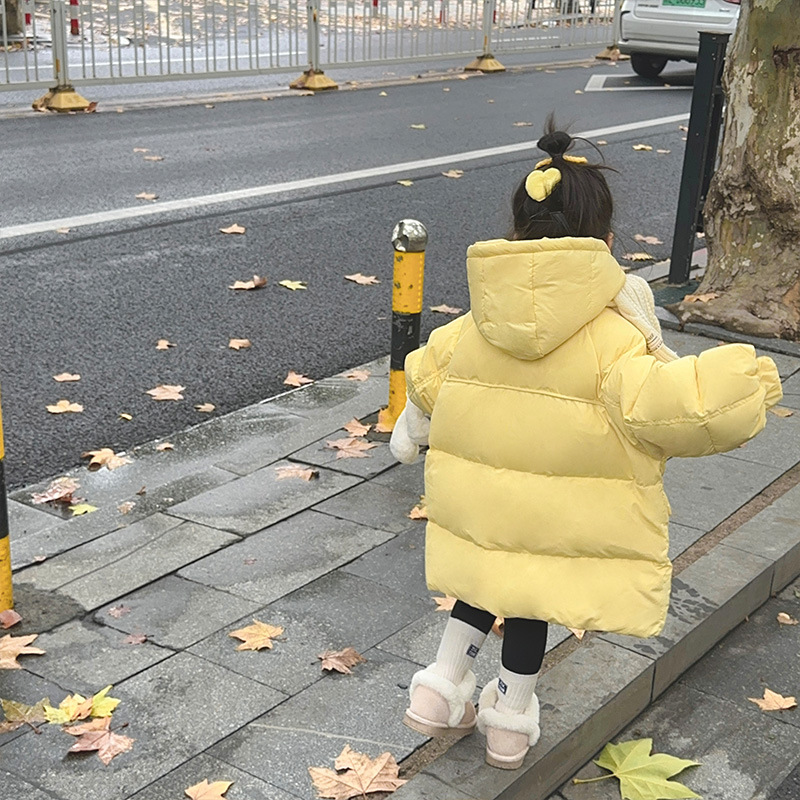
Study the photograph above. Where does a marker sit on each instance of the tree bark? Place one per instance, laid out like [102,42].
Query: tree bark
[752,213]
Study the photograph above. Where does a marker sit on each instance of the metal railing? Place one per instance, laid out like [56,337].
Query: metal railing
[124,41]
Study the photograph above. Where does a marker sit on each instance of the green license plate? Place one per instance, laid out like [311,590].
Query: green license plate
[685,3]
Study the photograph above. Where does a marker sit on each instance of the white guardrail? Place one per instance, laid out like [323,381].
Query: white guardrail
[84,42]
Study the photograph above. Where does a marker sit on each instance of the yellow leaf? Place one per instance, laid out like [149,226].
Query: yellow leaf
[205,408]
[663,152]
[781,411]
[82,508]
[642,147]
[72,707]
[382,94]
[65,377]
[293,285]
[233,229]
[341,660]
[64,406]
[785,619]
[102,704]
[406,183]
[772,701]
[125,416]
[700,298]
[257,636]
[296,379]
[419,126]
[638,257]
[208,791]
[18,714]
[453,173]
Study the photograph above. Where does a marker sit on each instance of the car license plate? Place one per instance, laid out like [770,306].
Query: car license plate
[685,3]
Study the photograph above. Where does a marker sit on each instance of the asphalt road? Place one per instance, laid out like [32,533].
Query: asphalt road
[96,300]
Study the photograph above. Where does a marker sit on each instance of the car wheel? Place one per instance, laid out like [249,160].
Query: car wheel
[648,66]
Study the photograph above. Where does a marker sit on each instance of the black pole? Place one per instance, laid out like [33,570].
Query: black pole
[701,150]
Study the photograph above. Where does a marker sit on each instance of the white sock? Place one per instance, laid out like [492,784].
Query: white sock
[515,691]
[460,644]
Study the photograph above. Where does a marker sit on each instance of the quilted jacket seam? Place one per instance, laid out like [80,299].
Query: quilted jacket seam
[704,418]
[471,382]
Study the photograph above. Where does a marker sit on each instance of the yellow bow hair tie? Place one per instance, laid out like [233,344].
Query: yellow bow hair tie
[540,184]
[574,159]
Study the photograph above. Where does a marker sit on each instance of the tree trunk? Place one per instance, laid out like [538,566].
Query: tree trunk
[752,213]
[12,17]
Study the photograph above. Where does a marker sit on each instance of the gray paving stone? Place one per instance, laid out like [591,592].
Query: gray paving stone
[419,641]
[334,612]
[204,767]
[23,686]
[23,520]
[364,710]
[42,610]
[709,598]
[255,501]
[705,491]
[14,788]
[425,787]
[175,710]
[285,556]
[742,756]
[85,656]
[175,612]
[778,445]
[595,691]
[374,505]
[405,477]
[681,538]
[377,459]
[791,392]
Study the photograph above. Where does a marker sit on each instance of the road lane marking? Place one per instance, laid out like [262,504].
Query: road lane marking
[400,168]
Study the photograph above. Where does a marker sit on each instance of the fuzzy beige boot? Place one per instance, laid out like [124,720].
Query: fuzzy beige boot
[508,736]
[439,707]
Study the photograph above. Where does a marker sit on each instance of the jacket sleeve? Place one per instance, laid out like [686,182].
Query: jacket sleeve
[695,406]
[426,368]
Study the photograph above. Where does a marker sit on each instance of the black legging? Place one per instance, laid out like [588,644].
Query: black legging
[524,640]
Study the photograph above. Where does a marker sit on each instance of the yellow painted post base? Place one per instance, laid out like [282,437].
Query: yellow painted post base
[316,81]
[397,400]
[6,597]
[485,63]
[612,53]
[61,99]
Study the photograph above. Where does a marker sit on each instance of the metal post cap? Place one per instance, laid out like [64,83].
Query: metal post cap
[409,236]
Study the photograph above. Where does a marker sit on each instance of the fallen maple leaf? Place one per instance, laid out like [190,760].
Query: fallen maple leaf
[293,285]
[351,447]
[256,283]
[382,94]
[638,257]
[208,791]
[444,603]
[66,377]
[125,416]
[362,280]
[772,701]
[383,427]
[498,628]
[684,128]
[783,618]
[141,150]
[71,708]
[205,408]
[341,660]
[126,507]
[601,142]
[647,239]
[9,618]
[257,636]
[356,428]
[63,230]
[239,344]
[418,126]
[642,147]
[105,457]
[406,182]
[233,229]
[11,647]
[663,152]
[60,490]
[97,735]
[166,392]
[154,158]
[19,714]
[64,406]
[118,611]
[453,173]
[781,411]
[296,379]
[357,375]
[296,471]
[444,309]
[135,638]
[164,344]
[578,633]
[161,446]
[356,775]
[642,775]
[700,298]
[82,508]
[146,196]
[521,124]
[418,512]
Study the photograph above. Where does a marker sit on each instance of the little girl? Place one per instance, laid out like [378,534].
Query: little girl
[554,405]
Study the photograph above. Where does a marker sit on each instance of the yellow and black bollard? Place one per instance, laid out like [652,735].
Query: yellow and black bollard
[409,240]
[6,594]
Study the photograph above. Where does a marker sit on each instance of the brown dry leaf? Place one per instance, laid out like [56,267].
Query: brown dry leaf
[781,411]
[578,633]
[295,286]
[208,791]
[118,611]
[382,427]
[296,379]
[638,257]
[418,126]
[406,182]
[341,660]
[783,618]
[105,457]
[453,173]
[66,377]
[296,471]
[97,735]
[647,239]
[772,701]
[239,344]
[663,152]
[356,775]
[601,142]
[257,636]
[521,124]
[418,512]
[356,428]
[162,446]
[164,344]
[39,559]
[124,415]
[60,490]
[233,229]
[645,147]
[166,392]
[135,638]
[444,309]
[205,408]
[63,230]
[700,298]
[256,283]
[64,406]
[684,128]
[19,714]
[146,196]
[362,280]
[357,375]
[498,629]
[11,647]
[126,507]
[142,492]
[9,618]
[351,447]
[154,158]
[141,150]
[444,603]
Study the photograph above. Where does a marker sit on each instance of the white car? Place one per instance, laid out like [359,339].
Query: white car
[653,32]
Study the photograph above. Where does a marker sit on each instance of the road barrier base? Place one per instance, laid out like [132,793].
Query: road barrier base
[315,80]
[612,53]
[486,63]
[63,98]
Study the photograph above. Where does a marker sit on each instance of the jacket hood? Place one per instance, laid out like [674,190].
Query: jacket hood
[530,296]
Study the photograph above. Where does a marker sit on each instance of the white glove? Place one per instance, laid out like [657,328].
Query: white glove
[636,303]
[410,431]
[419,426]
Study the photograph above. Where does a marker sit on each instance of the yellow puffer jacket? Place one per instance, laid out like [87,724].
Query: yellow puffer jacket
[549,432]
